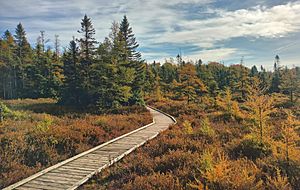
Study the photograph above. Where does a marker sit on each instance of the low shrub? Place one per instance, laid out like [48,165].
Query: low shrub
[251,149]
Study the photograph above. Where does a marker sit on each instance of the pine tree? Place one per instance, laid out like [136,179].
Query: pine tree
[130,43]
[87,42]
[56,47]
[243,83]
[9,78]
[24,54]
[276,79]
[131,59]
[290,84]
[23,47]
[254,71]
[72,89]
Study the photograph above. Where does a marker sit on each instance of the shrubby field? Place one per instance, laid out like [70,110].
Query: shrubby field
[215,146]
[39,133]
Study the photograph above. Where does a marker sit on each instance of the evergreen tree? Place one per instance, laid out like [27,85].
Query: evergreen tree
[290,84]
[87,42]
[254,71]
[23,47]
[87,57]
[131,58]
[130,43]
[72,89]
[276,79]
[9,67]
[24,54]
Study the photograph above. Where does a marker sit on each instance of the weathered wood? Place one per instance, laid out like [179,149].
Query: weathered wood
[62,175]
[73,172]
[59,178]
[28,188]
[40,186]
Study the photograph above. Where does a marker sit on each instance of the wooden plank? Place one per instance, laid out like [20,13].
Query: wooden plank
[116,148]
[27,188]
[35,186]
[53,174]
[72,172]
[79,168]
[83,164]
[59,178]
[90,162]
[56,173]
[67,170]
[52,182]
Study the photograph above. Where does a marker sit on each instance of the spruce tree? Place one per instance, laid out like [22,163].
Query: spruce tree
[23,52]
[290,84]
[130,42]
[132,57]
[87,42]
[71,93]
[23,47]
[276,79]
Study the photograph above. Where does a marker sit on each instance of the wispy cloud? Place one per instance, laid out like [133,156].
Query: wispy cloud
[200,28]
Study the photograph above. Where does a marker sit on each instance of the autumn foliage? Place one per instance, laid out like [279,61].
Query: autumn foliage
[32,138]
[219,147]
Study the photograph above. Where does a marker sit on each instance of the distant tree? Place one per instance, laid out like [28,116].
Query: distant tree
[190,85]
[264,79]
[150,80]
[157,90]
[23,47]
[56,47]
[207,77]
[254,71]
[290,84]
[242,84]
[276,79]
[230,108]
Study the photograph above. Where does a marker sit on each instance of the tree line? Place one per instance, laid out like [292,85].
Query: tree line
[112,73]
[107,74]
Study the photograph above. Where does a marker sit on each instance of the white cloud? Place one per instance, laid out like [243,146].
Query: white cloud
[257,22]
[153,22]
[217,55]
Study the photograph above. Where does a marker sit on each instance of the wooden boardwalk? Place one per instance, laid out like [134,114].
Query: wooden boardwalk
[73,172]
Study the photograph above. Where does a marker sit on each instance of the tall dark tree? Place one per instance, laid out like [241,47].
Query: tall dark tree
[87,42]
[254,71]
[132,58]
[24,54]
[276,79]
[23,47]
[130,42]
[71,93]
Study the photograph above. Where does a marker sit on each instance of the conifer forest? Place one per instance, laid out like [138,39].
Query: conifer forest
[238,126]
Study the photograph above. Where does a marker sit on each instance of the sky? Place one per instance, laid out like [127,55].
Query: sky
[211,30]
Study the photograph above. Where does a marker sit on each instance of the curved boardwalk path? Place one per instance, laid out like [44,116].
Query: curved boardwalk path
[73,172]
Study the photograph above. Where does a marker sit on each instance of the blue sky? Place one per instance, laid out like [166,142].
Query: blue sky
[213,30]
